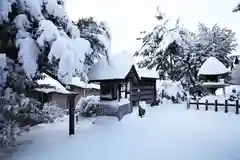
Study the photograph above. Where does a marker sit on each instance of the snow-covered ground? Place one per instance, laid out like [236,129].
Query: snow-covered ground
[166,132]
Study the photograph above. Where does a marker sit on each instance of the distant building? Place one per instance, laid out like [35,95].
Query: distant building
[57,93]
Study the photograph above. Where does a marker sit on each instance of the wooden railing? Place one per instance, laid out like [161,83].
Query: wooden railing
[216,105]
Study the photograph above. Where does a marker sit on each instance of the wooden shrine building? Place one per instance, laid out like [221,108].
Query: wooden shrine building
[120,79]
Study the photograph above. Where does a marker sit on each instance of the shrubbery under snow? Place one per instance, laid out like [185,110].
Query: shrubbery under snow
[170,92]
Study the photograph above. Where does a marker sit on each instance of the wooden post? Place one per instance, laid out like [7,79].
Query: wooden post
[216,108]
[188,103]
[224,91]
[226,106]
[118,95]
[130,96]
[206,105]
[126,86]
[155,93]
[197,103]
[237,107]
[71,108]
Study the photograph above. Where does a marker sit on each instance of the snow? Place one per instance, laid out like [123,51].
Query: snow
[21,22]
[71,53]
[54,9]
[170,88]
[28,55]
[214,84]
[3,10]
[212,66]
[235,54]
[54,83]
[33,7]
[76,81]
[166,132]
[48,32]
[114,103]
[211,99]
[147,73]
[118,68]
[235,75]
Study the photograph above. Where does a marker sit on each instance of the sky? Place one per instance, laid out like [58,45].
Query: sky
[126,18]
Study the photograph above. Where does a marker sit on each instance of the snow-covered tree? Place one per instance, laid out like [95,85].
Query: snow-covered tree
[98,34]
[159,47]
[237,8]
[38,36]
[48,40]
[217,42]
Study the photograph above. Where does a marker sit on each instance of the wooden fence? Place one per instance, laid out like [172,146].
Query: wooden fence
[216,105]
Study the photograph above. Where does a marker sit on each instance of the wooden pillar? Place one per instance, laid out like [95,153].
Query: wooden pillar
[119,92]
[71,107]
[155,93]
[130,95]
[126,86]
[224,91]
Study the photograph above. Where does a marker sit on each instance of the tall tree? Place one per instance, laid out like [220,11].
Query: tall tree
[38,36]
[217,42]
[159,47]
[98,34]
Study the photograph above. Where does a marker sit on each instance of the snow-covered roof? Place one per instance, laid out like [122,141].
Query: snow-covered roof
[146,73]
[118,67]
[212,66]
[76,81]
[58,87]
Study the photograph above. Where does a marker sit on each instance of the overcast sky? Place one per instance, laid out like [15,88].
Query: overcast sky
[127,18]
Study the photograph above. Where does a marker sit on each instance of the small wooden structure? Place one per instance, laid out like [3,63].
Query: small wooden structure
[212,73]
[111,87]
[112,76]
[147,93]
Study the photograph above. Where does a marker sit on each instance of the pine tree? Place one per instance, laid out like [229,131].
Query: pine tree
[98,34]
[159,48]
[217,42]
[38,36]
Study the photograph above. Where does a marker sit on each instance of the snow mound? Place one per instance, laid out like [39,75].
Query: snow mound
[212,66]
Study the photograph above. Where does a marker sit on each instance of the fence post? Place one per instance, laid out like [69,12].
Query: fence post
[188,103]
[206,105]
[197,104]
[237,107]
[216,108]
[226,106]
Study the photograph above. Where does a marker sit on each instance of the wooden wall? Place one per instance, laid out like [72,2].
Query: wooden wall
[147,91]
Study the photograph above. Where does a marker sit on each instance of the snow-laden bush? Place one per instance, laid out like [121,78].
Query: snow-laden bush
[53,111]
[84,106]
[169,91]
